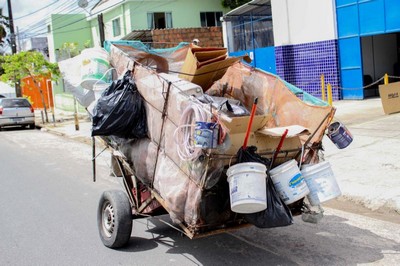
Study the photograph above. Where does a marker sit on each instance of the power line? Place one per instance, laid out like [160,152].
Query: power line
[41,23]
[34,12]
[45,31]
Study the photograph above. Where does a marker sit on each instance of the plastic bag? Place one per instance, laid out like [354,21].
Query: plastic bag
[277,212]
[120,111]
[230,107]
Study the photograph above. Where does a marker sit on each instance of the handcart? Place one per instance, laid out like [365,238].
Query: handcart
[157,177]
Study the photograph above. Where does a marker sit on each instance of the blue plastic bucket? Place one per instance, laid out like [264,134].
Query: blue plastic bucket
[206,135]
[339,135]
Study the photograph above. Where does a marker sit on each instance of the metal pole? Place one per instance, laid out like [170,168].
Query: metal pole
[386,79]
[13,45]
[101,29]
[11,21]
[76,115]
[329,89]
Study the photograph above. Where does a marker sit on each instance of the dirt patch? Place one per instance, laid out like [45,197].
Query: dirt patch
[383,214]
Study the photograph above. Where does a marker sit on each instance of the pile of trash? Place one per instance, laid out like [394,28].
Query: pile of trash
[217,139]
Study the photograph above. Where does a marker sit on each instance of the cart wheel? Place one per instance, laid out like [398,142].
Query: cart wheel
[114,219]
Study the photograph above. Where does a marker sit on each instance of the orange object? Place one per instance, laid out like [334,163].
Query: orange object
[30,91]
[253,112]
[278,148]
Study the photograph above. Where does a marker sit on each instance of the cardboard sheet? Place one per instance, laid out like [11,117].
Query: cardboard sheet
[390,97]
[293,131]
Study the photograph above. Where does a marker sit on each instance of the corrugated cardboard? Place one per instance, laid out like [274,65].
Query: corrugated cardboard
[390,97]
[212,65]
[206,54]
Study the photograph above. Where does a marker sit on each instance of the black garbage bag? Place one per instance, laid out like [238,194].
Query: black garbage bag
[120,111]
[277,213]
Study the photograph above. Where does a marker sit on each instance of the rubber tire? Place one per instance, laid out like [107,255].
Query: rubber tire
[32,126]
[115,233]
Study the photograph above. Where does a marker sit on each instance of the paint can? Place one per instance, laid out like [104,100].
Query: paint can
[288,182]
[339,135]
[247,187]
[206,135]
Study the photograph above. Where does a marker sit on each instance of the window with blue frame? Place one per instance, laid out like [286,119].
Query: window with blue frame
[116,24]
[159,20]
[250,32]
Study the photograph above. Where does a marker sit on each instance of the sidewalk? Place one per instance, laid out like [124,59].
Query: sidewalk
[368,170]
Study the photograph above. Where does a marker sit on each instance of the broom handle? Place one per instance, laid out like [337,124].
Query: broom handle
[278,149]
[253,111]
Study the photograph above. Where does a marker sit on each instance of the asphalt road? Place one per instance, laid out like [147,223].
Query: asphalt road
[48,217]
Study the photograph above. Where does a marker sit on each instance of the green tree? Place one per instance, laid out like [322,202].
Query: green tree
[32,64]
[234,3]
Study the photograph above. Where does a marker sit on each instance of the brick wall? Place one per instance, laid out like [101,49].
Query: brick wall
[208,37]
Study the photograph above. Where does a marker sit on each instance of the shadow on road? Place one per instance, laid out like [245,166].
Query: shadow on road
[332,242]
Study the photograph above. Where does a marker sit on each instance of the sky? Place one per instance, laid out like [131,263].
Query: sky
[30,15]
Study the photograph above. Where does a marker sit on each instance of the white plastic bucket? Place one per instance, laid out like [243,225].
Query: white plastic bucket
[289,182]
[247,186]
[98,89]
[321,182]
[94,64]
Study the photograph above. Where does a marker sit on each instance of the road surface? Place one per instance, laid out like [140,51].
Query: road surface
[49,204]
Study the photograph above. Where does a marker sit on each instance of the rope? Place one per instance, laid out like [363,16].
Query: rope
[347,89]
[183,133]
[163,115]
[364,87]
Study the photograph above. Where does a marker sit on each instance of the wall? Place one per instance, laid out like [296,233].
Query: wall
[303,64]
[297,22]
[357,19]
[305,44]
[116,13]
[185,13]
[68,28]
[208,37]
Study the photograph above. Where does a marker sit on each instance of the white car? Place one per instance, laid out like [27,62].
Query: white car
[16,112]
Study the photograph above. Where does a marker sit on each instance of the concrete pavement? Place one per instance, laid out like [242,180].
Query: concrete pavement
[367,171]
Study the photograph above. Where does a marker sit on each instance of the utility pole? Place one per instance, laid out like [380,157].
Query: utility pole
[13,45]
[101,29]
[11,21]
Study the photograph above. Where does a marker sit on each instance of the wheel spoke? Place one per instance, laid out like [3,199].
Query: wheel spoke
[108,219]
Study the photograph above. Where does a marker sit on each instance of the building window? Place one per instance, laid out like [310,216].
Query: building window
[48,29]
[159,20]
[210,19]
[250,33]
[116,23]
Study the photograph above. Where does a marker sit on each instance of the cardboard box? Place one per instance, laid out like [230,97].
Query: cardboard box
[390,97]
[203,66]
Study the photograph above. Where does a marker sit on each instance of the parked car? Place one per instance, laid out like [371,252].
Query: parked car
[16,112]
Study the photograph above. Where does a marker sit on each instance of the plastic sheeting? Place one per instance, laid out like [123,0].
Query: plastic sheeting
[71,71]
[196,191]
